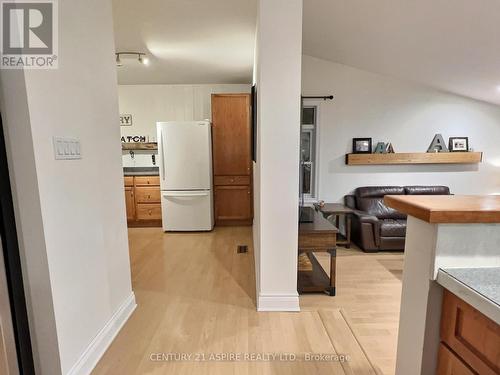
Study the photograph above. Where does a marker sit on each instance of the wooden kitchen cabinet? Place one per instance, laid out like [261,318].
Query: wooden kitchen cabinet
[232,160]
[450,364]
[143,201]
[130,202]
[233,205]
[231,134]
[472,340]
[149,194]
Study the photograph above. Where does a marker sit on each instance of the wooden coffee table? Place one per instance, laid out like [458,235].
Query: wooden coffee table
[337,210]
[318,236]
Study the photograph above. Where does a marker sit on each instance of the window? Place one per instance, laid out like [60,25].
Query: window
[308,151]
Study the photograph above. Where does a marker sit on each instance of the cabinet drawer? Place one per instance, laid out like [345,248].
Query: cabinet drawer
[231,180]
[129,180]
[147,180]
[471,335]
[146,194]
[317,241]
[450,364]
[233,203]
[148,211]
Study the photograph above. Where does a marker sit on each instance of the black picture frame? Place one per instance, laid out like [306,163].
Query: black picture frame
[356,149]
[451,144]
[253,99]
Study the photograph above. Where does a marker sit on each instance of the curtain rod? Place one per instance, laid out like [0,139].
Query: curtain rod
[329,97]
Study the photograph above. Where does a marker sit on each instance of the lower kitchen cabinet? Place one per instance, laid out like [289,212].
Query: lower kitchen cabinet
[450,364]
[143,201]
[146,212]
[233,205]
[470,341]
[130,202]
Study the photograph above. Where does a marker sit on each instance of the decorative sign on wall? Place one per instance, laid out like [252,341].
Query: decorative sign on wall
[134,138]
[438,144]
[125,120]
[384,148]
[380,148]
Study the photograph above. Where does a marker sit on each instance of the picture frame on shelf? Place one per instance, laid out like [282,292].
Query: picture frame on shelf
[458,144]
[361,145]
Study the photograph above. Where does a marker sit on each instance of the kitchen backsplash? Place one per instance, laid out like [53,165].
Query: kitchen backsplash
[139,159]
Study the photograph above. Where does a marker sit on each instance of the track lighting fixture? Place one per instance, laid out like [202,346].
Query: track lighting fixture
[141,57]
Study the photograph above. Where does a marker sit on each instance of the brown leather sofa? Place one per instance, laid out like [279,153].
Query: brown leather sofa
[376,226]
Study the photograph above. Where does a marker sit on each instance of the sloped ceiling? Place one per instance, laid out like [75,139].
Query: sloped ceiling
[452,45]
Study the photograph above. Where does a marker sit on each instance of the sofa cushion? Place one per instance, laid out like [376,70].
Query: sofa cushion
[393,228]
[427,190]
[378,191]
[376,207]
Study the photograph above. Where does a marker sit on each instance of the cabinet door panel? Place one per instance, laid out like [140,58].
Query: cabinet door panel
[471,335]
[449,364]
[231,134]
[233,203]
[129,180]
[130,203]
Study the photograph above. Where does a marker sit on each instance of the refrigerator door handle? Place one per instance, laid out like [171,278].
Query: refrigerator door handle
[186,194]
[162,155]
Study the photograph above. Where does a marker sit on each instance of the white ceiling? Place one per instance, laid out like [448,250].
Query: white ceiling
[187,41]
[453,45]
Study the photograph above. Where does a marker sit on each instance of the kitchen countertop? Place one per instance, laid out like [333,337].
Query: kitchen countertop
[479,287]
[437,209]
[141,171]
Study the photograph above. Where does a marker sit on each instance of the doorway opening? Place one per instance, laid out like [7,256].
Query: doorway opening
[16,351]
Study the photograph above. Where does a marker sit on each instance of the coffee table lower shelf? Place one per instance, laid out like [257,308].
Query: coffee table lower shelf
[316,280]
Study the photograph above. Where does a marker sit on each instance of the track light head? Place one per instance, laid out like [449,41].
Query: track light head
[143,59]
[118,60]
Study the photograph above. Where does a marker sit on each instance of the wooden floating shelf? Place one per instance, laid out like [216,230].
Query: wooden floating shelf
[139,146]
[415,158]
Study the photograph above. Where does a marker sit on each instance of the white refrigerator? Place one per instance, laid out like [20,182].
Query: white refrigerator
[185,163]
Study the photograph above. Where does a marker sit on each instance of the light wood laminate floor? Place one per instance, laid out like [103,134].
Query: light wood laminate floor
[196,296]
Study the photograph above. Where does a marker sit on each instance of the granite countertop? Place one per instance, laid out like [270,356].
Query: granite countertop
[141,171]
[479,287]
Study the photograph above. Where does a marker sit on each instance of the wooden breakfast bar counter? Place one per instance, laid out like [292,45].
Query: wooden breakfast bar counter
[452,249]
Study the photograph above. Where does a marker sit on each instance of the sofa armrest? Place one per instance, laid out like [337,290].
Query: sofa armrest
[369,226]
[350,201]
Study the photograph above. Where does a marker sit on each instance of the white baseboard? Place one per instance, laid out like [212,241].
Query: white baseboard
[278,302]
[104,338]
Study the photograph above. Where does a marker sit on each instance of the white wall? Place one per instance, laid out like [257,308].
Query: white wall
[278,72]
[151,103]
[70,214]
[406,114]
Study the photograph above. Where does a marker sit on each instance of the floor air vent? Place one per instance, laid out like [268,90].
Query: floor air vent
[242,249]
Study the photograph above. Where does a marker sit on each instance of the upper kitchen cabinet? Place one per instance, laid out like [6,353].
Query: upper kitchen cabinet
[231,134]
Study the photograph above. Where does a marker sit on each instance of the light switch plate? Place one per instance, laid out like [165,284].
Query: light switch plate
[66,148]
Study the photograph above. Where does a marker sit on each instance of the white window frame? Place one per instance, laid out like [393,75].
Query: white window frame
[308,103]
